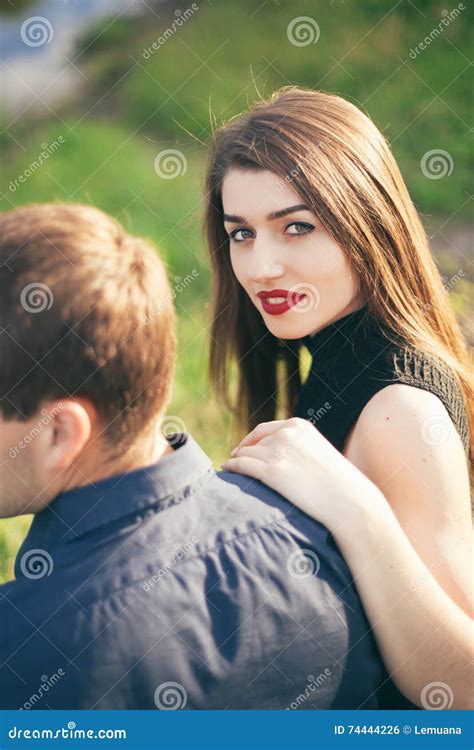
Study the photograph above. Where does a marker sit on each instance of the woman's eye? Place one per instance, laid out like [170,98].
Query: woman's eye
[299,227]
[239,235]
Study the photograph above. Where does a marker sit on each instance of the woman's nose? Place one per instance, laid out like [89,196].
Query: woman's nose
[263,266]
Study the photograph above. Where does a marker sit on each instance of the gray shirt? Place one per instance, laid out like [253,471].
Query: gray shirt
[177,587]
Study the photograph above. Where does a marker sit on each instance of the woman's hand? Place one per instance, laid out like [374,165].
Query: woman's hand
[294,458]
[424,637]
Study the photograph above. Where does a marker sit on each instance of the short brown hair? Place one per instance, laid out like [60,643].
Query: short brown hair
[85,310]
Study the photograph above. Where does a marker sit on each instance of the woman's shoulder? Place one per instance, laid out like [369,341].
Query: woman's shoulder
[404,436]
[420,371]
[431,374]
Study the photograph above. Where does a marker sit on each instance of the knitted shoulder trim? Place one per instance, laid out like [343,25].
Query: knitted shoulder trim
[430,373]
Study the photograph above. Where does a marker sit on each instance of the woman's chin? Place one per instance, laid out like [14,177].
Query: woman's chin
[288,329]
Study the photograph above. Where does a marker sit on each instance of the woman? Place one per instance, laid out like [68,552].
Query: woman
[315,244]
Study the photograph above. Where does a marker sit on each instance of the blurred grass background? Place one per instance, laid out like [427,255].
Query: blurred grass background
[128,107]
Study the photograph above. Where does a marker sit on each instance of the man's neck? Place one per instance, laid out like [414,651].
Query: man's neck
[96,466]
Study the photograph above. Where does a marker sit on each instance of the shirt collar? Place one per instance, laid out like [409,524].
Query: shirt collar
[79,511]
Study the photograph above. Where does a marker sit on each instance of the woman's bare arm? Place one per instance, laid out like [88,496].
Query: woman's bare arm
[410,552]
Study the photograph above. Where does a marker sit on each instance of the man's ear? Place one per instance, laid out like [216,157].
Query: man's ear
[70,425]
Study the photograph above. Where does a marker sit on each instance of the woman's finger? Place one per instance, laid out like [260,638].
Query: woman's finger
[262,452]
[262,430]
[252,467]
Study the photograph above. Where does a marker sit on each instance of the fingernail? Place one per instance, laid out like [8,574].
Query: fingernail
[233,452]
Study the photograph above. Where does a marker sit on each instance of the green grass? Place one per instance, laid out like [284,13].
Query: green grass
[12,533]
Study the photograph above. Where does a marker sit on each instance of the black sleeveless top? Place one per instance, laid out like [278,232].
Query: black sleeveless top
[353,359]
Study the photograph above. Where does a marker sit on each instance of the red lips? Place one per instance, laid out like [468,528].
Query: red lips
[278,308]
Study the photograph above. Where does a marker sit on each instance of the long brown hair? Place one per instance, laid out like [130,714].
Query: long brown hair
[335,157]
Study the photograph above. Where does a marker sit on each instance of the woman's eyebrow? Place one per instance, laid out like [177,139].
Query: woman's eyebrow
[285,211]
[233,219]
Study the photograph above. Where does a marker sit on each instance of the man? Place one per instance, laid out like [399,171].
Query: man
[146,581]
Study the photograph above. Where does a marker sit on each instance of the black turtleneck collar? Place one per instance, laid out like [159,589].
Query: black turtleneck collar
[352,360]
[344,332]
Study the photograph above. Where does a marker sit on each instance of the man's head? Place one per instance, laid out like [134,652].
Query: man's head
[87,348]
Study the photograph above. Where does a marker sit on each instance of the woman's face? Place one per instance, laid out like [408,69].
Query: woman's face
[295,273]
